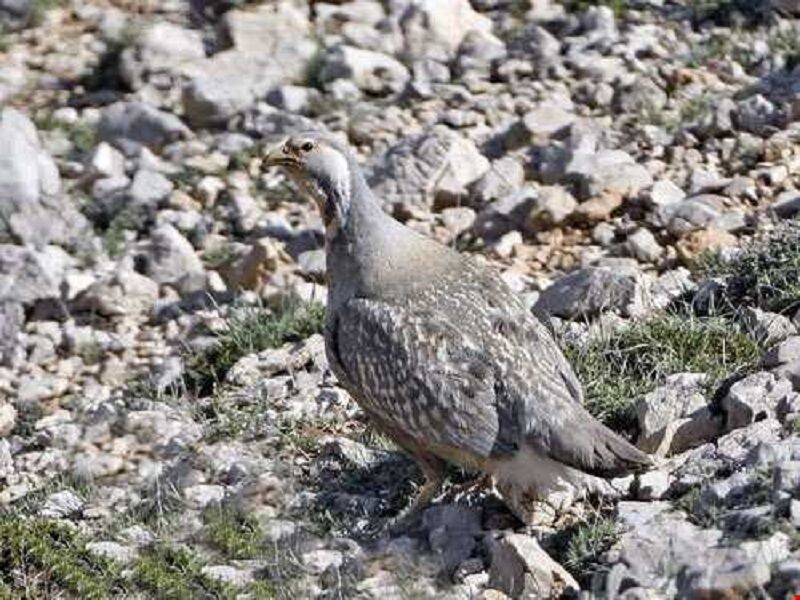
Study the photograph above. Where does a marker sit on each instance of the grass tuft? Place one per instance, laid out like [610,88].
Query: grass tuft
[40,8]
[82,135]
[765,274]
[236,534]
[619,7]
[252,330]
[169,572]
[40,558]
[618,368]
[580,547]
[219,255]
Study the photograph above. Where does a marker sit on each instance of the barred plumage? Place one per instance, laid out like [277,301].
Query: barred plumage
[439,352]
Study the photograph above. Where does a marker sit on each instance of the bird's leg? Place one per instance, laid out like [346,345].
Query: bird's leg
[433,469]
[478,483]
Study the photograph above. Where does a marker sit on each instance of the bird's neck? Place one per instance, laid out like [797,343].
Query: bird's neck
[370,254]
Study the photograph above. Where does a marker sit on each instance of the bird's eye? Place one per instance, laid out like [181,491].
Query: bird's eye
[307,146]
[286,149]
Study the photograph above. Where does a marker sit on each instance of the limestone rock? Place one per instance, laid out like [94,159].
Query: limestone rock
[27,275]
[140,124]
[15,14]
[590,291]
[372,72]
[452,533]
[607,171]
[642,244]
[438,162]
[434,29]
[8,417]
[32,207]
[170,258]
[161,49]
[271,45]
[503,177]
[754,398]
[675,416]
[520,568]
[765,327]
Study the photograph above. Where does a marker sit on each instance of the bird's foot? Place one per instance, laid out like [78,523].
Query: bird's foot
[403,521]
[476,484]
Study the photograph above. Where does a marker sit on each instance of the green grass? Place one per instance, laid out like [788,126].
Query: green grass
[82,136]
[728,11]
[234,533]
[27,415]
[41,557]
[766,274]
[187,179]
[32,502]
[237,535]
[580,547]
[241,159]
[619,7]
[42,7]
[252,330]
[619,367]
[689,113]
[737,41]
[218,256]
[786,42]
[170,572]
[114,235]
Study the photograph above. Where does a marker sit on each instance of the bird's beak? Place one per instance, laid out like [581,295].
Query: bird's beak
[277,157]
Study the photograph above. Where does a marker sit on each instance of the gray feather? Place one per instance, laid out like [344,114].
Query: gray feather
[435,346]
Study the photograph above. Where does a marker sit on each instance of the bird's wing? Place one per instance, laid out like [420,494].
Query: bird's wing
[547,396]
[554,419]
[486,382]
[530,330]
[569,434]
[418,372]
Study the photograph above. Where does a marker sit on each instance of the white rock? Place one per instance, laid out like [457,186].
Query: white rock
[34,211]
[372,72]
[107,161]
[642,244]
[171,258]
[319,561]
[227,574]
[62,504]
[653,484]
[766,328]
[435,28]
[8,417]
[520,568]
[664,193]
[753,398]
[137,535]
[202,495]
[93,465]
[607,171]
[547,119]
[113,550]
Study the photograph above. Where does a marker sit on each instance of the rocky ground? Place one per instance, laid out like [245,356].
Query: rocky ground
[168,424]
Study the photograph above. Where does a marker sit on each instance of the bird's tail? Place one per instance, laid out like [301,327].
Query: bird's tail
[613,456]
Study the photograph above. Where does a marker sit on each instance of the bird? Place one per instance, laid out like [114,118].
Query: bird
[440,354]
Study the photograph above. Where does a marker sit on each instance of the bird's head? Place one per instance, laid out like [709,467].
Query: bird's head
[322,167]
